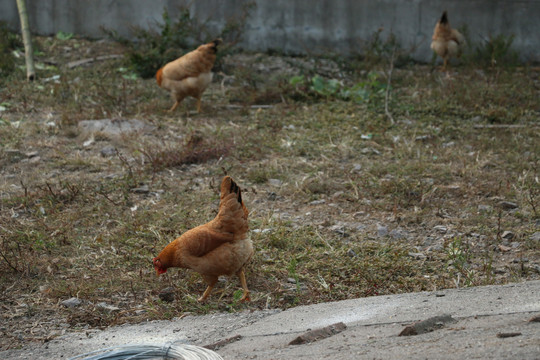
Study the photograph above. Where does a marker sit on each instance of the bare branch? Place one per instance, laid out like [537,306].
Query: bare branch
[387,95]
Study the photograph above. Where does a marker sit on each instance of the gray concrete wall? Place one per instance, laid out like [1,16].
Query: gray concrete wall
[299,26]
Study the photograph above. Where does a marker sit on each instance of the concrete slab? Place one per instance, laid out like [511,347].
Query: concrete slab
[373,325]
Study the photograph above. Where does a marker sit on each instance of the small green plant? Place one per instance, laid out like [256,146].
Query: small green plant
[8,43]
[152,49]
[294,274]
[496,51]
[63,36]
[378,49]
[361,92]
[459,259]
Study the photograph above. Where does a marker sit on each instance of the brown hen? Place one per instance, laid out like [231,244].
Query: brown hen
[219,247]
[446,42]
[190,74]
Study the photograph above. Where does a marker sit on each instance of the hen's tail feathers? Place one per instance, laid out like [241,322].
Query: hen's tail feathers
[444,18]
[228,186]
[216,43]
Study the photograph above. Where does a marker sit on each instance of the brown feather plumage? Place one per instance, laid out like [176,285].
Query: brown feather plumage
[219,247]
[190,74]
[446,42]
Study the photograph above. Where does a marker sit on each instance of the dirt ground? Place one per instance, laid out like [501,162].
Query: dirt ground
[343,202]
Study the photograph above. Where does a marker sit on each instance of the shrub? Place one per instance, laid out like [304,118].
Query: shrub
[150,50]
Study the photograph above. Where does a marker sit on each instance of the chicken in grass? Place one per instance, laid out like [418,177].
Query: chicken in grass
[446,42]
[219,247]
[190,74]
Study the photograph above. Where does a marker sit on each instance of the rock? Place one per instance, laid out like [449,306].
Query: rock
[114,126]
[319,334]
[31,154]
[351,253]
[417,256]
[217,345]
[370,151]
[107,307]
[338,228]
[141,190]
[485,208]
[358,226]
[382,231]
[72,302]
[431,324]
[398,234]
[108,151]
[504,248]
[508,205]
[440,228]
[357,168]
[422,137]
[437,247]
[507,235]
[167,294]
[13,155]
[275,182]
[291,280]
[262,231]
[89,142]
[535,236]
[448,144]
[508,334]
[281,215]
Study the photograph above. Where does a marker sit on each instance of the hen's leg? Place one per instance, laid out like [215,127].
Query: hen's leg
[242,277]
[211,281]
[199,104]
[174,106]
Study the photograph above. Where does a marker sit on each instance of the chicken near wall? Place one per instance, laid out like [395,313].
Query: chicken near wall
[190,74]
[446,42]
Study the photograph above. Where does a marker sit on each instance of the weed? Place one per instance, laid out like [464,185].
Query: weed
[8,42]
[151,50]
[496,51]
[195,150]
[319,87]
[459,257]
[294,274]
[63,36]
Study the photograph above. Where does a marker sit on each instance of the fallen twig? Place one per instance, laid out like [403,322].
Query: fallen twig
[387,95]
[504,126]
[221,343]
[81,62]
[251,106]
